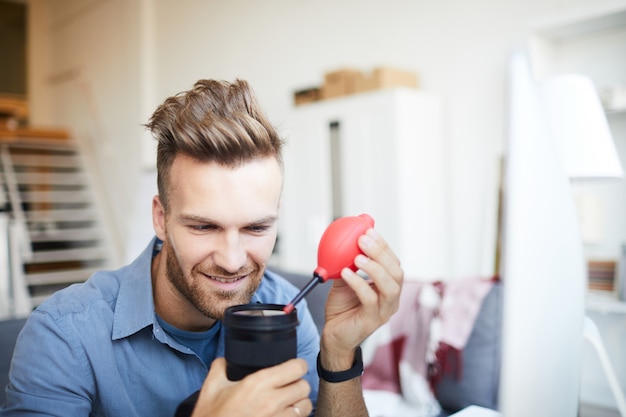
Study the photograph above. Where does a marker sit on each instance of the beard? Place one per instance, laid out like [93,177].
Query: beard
[211,303]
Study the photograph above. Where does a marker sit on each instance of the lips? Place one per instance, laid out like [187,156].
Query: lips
[225,280]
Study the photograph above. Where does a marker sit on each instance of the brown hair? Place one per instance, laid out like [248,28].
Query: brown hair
[215,121]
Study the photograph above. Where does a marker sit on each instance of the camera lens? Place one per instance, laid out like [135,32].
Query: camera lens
[258,336]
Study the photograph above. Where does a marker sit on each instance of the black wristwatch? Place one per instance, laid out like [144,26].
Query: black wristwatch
[355,371]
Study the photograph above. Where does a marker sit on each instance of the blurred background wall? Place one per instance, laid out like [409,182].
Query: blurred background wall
[101,67]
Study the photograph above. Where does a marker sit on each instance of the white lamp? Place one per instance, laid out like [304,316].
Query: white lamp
[578,124]
[543,266]
[573,112]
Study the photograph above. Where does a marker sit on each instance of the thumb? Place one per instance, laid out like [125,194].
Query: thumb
[212,384]
[217,372]
[218,365]
[215,381]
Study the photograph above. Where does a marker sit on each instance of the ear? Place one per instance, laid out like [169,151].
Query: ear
[158,217]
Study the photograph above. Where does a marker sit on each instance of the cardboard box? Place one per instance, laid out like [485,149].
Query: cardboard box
[340,82]
[384,77]
[308,95]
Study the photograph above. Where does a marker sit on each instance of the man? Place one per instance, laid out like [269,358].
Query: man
[139,340]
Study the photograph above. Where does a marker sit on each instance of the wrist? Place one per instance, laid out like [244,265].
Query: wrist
[335,354]
[338,373]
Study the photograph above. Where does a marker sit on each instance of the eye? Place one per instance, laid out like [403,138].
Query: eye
[258,228]
[201,227]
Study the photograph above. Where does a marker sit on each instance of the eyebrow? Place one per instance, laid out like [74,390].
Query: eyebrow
[201,219]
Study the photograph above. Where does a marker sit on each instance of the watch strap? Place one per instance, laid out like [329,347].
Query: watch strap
[355,371]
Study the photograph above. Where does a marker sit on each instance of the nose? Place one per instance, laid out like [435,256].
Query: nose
[230,253]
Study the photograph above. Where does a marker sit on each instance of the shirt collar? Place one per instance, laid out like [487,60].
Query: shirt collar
[134,309]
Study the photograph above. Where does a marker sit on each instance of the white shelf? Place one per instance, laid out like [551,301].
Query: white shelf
[390,157]
[613,99]
[583,20]
[605,302]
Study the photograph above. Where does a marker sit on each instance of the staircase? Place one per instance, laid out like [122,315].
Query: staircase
[56,233]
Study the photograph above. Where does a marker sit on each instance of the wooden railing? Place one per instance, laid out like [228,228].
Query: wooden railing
[14,123]
[29,133]
[14,107]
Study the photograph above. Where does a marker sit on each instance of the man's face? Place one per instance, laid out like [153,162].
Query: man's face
[220,230]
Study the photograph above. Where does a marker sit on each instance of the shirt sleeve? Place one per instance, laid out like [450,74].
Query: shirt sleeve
[49,373]
[308,348]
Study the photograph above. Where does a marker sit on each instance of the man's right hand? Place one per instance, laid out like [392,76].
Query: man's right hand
[278,391]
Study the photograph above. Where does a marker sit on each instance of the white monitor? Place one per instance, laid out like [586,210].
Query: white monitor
[543,268]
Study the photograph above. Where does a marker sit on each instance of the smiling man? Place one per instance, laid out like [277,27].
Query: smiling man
[140,340]
[218,232]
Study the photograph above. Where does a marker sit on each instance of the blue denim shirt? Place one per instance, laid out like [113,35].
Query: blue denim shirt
[96,349]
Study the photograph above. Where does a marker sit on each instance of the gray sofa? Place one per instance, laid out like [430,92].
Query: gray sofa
[9,329]
[481,357]
[480,371]
[480,376]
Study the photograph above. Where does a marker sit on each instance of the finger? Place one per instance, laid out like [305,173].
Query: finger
[376,307]
[376,248]
[282,374]
[366,294]
[301,408]
[212,385]
[217,374]
[218,366]
[384,264]
[379,301]
[386,287]
[294,393]
[304,406]
[282,396]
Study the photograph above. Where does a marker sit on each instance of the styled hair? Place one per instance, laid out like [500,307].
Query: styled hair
[215,121]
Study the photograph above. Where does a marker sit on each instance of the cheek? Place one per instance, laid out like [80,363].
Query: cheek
[261,248]
[189,250]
